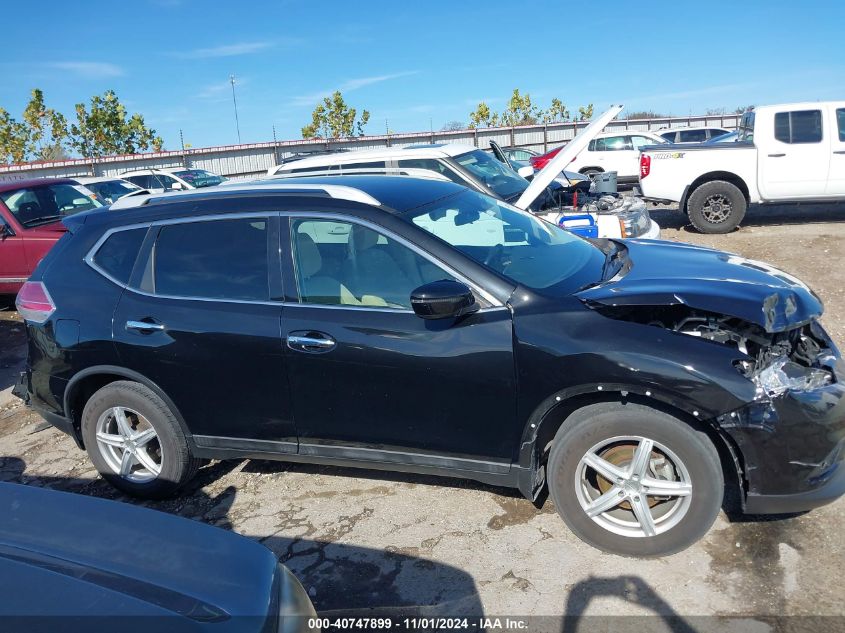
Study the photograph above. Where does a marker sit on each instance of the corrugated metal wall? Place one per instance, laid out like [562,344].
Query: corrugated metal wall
[256,158]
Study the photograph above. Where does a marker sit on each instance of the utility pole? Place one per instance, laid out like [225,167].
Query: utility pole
[235,103]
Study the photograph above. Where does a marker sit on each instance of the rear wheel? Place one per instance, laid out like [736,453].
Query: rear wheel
[716,207]
[634,481]
[591,172]
[135,441]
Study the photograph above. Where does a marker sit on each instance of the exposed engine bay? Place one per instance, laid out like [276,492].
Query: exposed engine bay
[777,362]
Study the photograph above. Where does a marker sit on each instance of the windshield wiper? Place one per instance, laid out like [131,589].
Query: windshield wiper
[43,220]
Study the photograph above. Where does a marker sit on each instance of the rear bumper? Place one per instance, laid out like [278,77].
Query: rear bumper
[23,389]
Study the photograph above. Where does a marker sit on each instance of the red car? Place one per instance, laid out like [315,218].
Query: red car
[538,162]
[31,213]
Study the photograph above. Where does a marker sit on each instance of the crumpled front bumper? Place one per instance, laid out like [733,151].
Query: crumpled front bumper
[793,445]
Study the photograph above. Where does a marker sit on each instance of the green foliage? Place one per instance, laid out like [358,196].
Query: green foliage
[482,116]
[104,129]
[12,139]
[585,113]
[520,110]
[556,112]
[332,118]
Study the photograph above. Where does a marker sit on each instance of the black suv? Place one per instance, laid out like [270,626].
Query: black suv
[415,325]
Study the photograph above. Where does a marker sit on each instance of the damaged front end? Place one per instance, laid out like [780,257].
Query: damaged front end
[791,436]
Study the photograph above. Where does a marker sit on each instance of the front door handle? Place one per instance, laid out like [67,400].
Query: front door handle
[776,155]
[144,326]
[312,342]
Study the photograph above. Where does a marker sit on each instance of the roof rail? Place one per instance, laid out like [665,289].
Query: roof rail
[341,192]
[412,172]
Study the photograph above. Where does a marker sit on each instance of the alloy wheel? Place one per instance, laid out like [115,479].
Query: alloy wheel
[633,486]
[129,444]
[717,209]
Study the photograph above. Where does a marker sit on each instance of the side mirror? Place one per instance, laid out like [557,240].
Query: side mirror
[442,300]
[526,172]
[6,231]
[176,186]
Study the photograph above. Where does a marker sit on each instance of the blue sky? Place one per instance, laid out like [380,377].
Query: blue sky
[412,64]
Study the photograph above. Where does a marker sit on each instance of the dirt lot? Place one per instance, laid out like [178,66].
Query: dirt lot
[369,542]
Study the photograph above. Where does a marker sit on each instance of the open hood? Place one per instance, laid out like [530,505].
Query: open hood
[564,157]
[664,274]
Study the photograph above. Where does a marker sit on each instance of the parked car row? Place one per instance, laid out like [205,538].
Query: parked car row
[356,312]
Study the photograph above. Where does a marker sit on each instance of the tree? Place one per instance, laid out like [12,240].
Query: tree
[46,129]
[452,126]
[520,110]
[645,114]
[12,139]
[585,112]
[743,109]
[482,116]
[332,118]
[556,112]
[105,129]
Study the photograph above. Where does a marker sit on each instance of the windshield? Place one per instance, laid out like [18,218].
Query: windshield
[516,244]
[498,177]
[112,190]
[34,206]
[199,177]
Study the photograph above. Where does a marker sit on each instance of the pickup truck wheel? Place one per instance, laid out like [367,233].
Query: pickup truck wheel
[135,442]
[716,207]
[634,481]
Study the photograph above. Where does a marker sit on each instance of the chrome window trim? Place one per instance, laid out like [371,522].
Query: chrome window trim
[89,259]
[489,298]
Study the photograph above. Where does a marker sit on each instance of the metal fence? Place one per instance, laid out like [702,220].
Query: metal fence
[253,159]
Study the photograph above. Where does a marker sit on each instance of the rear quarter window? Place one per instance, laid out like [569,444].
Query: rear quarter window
[116,256]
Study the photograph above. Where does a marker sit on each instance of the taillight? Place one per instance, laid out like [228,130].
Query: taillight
[34,302]
[645,165]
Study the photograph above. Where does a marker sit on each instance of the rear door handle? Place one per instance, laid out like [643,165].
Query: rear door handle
[776,155]
[144,326]
[841,151]
[311,342]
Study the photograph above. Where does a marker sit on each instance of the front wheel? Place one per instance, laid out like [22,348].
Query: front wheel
[634,481]
[716,207]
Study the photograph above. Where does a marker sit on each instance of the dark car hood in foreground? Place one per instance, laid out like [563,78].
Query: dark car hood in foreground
[72,555]
[665,273]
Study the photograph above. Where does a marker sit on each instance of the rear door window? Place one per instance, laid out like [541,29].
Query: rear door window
[840,121]
[117,255]
[800,126]
[613,144]
[693,136]
[214,259]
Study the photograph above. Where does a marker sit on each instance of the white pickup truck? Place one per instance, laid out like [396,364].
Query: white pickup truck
[784,153]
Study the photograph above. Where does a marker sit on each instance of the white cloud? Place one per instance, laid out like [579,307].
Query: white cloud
[227,50]
[89,70]
[348,86]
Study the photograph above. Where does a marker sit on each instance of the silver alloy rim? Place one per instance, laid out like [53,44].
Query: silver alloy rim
[644,494]
[717,209]
[129,444]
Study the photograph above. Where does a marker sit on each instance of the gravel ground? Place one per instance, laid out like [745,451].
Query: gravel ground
[369,543]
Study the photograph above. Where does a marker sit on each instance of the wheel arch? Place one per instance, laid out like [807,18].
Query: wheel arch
[727,176]
[587,168]
[87,382]
[553,412]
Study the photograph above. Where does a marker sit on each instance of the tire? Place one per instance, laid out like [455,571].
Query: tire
[716,207]
[152,429]
[678,521]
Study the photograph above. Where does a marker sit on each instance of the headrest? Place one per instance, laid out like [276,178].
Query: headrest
[308,255]
[363,238]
